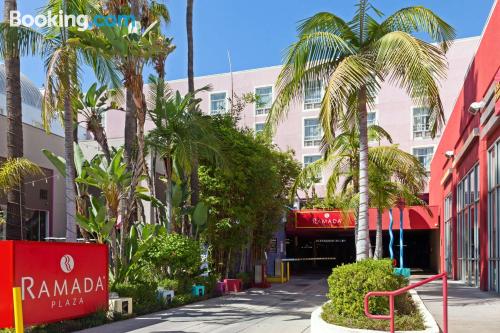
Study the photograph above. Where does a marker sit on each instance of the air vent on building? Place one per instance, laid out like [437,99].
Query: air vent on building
[44,195]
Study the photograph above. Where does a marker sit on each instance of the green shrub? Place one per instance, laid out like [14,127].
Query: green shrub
[183,299]
[208,281]
[348,285]
[245,278]
[144,297]
[174,256]
[169,284]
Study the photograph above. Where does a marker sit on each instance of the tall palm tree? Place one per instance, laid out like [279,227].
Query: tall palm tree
[393,173]
[63,64]
[351,58]
[195,182]
[15,197]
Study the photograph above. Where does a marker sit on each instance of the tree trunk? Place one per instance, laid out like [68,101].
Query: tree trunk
[168,200]
[70,192]
[195,182]
[130,130]
[15,198]
[362,243]
[378,238]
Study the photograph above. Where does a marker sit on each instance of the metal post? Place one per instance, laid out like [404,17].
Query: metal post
[282,272]
[18,310]
[445,303]
[401,263]
[288,271]
[391,235]
[391,312]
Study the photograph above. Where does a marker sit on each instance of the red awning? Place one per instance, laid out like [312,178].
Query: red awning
[414,218]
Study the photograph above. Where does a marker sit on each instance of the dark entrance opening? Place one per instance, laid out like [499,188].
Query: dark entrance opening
[320,253]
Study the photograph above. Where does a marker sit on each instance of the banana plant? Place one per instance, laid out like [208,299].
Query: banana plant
[96,222]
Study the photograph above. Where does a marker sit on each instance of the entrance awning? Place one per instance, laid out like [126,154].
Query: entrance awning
[414,218]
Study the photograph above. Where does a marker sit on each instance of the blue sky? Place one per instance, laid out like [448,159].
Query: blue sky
[256,32]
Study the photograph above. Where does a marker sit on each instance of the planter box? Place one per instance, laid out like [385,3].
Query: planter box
[233,285]
[318,325]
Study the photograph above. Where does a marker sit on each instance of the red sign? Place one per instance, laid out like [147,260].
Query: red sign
[58,280]
[322,219]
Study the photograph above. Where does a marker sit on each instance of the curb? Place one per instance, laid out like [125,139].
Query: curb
[318,325]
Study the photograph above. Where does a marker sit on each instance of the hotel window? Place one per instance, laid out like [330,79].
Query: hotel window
[312,95]
[421,123]
[264,96]
[308,159]
[372,118]
[259,127]
[218,103]
[468,228]
[312,132]
[424,155]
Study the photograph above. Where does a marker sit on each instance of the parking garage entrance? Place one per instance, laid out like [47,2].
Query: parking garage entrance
[319,240]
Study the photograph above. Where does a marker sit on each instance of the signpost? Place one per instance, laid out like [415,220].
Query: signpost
[57,281]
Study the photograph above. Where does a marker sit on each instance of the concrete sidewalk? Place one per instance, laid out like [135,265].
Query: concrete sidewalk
[281,308]
[469,309]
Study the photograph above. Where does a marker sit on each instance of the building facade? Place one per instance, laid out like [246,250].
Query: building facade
[465,171]
[45,214]
[300,131]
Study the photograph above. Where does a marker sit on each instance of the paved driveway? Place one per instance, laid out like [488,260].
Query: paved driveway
[281,308]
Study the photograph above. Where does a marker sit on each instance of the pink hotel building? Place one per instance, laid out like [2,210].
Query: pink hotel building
[300,131]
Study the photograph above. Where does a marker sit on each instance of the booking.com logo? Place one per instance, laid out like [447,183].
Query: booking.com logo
[82,21]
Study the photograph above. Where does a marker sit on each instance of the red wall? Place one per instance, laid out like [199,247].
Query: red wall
[483,72]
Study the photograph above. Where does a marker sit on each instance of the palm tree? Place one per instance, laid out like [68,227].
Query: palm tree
[180,135]
[14,170]
[15,42]
[393,174]
[352,58]
[15,197]
[62,62]
[12,173]
[195,182]
[92,106]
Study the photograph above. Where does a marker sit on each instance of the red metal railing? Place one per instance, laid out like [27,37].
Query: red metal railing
[394,293]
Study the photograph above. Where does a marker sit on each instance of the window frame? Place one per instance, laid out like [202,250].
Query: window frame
[255,127]
[412,125]
[210,102]
[322,94]
[304,132]
[425,146]
[255,104]
[322,177]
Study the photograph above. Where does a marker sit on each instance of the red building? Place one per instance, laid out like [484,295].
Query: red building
[465,170]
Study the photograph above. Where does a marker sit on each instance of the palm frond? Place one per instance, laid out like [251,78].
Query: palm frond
[415,66]
[420,19]
[14,170]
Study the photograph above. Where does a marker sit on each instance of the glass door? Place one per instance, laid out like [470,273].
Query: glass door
[468,228]
[493,219]
[448,233]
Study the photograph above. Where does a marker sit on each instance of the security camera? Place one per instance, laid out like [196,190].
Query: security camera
[475,107]
[449,154]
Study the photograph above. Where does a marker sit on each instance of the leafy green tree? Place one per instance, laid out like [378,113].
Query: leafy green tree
[351,58]
[247,197]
